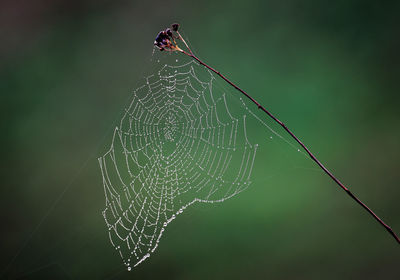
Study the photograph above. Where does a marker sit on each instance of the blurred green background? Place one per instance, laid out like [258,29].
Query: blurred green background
[328,69]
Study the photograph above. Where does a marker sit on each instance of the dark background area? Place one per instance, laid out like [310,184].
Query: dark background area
[328,69]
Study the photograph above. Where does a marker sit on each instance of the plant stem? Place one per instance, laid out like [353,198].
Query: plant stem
[340,184]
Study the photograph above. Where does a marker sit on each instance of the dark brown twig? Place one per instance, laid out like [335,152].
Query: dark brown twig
[167,42]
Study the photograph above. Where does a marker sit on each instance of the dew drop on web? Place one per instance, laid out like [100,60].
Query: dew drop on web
[185,143]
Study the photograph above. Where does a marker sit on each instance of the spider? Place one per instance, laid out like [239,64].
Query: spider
[165,39]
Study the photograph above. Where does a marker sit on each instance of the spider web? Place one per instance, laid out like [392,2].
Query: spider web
[179,142]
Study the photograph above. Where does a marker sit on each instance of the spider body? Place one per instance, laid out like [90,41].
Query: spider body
[165,39]
[162,40]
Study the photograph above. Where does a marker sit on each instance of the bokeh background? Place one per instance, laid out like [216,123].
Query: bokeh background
[328,69]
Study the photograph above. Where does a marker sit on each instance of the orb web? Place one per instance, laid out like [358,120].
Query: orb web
[179,142]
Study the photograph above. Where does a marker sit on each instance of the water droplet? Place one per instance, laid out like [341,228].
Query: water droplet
[176,60]
[129,268]
[298,150]
[158,60]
